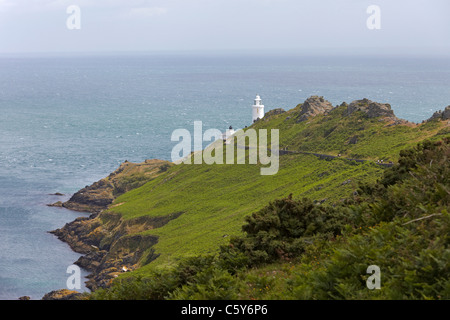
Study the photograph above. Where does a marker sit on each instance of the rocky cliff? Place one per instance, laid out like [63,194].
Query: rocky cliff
[316,105]
[108,247]
[372,109]
[101,194]
[313,106]
[441,115]
[99,236]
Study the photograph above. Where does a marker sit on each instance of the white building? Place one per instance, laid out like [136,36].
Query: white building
[258,109]
[226,136]
[258,113]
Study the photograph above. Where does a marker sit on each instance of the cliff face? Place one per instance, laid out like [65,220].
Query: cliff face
[108,246]
[100,236]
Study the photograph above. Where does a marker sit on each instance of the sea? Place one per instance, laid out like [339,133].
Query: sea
[67,120]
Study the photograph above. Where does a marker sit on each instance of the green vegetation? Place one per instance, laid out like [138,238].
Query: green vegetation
[134,175]
[309,232]
[293,249]
[215,199]
[332,133]
[283,230]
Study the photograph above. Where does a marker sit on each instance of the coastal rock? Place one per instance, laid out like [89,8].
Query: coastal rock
[62,294]
[101,194]
[123,255]
[372,109]
[441,115]
[313,106]
[80,234]
[105,241]
[91,261]
[58,204]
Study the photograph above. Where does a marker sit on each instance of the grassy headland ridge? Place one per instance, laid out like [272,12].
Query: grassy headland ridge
[101,194]
[175,224]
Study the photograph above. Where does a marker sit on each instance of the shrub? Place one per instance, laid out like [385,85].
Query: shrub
[283,229]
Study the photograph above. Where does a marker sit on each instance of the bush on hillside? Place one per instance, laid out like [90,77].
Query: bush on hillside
[283,229]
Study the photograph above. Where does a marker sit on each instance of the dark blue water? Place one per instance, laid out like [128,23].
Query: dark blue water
[67,121]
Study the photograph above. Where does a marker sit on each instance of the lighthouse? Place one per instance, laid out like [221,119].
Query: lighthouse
[258,109]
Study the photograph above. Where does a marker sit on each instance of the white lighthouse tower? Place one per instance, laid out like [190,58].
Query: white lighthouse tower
[258,109]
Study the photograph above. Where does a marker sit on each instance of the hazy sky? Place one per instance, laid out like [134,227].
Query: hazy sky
[414,26]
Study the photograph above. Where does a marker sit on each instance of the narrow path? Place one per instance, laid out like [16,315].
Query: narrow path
[328,156]
[324,156]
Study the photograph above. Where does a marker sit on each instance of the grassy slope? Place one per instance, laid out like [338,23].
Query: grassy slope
[330,134]
[401,224]
[214,199]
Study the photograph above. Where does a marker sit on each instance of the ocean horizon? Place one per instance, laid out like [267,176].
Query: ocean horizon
[68,120]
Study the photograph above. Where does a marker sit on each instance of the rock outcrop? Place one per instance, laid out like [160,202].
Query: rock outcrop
[313,106]
[63,294]
[101,194]
[110,244]
[446,113]
[441,115]
[372,109]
